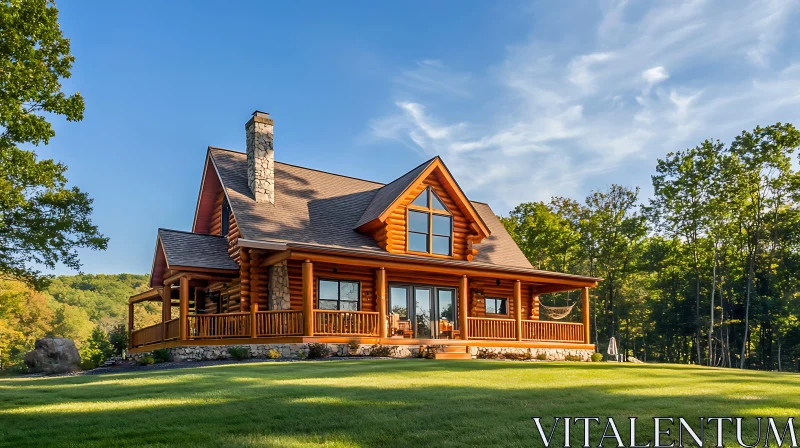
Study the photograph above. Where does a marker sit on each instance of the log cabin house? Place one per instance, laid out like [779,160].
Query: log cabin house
[282,254]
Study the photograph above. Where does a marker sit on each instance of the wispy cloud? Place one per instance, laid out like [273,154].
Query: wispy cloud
[564,119]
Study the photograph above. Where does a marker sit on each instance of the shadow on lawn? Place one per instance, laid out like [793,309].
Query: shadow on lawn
[363,403]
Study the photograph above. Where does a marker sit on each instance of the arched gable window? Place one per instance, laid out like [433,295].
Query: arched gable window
[430,225]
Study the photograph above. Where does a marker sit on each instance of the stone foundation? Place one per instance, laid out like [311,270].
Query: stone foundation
[550,354]
[300,351]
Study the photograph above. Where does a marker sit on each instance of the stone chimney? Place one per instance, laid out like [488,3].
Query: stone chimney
[260,157]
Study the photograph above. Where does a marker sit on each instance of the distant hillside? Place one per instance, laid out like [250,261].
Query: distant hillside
[72,306]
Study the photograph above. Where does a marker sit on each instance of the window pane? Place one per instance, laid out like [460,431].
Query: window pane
[328,305]
[399,302]
[501,306]
[436,203]
[441,225]
[446,308]
[348,306]
[417,242]
[490,306]
[348,291]
[328,290]
[417,222]
[441,245]
[422,199]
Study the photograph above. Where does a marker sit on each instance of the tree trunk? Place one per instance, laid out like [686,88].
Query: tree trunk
[713,290]
[747,310]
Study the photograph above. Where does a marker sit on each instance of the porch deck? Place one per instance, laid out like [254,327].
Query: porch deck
[340,326]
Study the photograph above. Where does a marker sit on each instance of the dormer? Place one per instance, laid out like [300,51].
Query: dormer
[424,212]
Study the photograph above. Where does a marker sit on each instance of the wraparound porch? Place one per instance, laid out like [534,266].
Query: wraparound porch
[376,318]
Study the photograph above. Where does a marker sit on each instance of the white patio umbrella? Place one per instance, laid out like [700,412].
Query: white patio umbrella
[612,348]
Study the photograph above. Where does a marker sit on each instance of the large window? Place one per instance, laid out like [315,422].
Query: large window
[430,225]
[339,295]
[496,306]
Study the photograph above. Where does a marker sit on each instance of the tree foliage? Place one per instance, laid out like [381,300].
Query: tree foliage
[43,221]
[707,271]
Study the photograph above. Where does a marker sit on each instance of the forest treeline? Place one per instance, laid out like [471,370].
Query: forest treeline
[89,309]
[706,270]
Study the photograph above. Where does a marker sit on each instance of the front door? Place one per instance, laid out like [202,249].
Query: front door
[428,311]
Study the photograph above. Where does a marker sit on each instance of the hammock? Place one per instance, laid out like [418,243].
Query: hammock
[556,312]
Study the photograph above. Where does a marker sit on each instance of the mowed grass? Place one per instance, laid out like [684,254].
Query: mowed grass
[375,403]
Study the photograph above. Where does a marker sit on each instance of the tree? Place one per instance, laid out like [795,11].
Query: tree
[683,206]
[760,173]
[42,220]
[96,350]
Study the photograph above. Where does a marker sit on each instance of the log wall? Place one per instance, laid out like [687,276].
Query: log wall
[365,276]
[392,235]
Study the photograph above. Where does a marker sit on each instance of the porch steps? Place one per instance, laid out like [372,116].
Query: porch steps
[453,352]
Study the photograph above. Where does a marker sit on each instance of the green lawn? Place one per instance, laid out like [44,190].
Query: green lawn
[374,403]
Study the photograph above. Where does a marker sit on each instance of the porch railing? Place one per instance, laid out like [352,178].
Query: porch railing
[146,335]
[486,328]
[356,323]
[339,323]
[540,330]
[172,329]
[218,326]
[279,323]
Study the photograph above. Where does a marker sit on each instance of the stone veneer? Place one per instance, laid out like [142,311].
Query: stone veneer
[212,352]
[279,286]
[261,157]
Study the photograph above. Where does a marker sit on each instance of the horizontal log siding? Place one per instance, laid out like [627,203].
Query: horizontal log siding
[365,276]
[392,235]
[489,288]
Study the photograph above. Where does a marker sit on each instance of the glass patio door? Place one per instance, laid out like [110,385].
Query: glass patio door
[430,312]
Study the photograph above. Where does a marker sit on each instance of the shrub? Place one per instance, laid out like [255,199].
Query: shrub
[572,358]
[597,357]
[487,353]
[353,344]
[302,354]
[118,337]
[162,355]
[147,361]
[318,350]
[382,351]
[273,353]
[96,350]
[87,364]
[239,353]
[525,356]
[541,356]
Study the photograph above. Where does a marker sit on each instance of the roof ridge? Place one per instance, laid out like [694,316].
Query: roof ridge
[307,168]
[188,232]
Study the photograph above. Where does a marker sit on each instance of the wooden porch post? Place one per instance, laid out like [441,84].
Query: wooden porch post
[130,325]
[585,311]
[518,309]
[380,295]
[463,297]
[253,325]
[184,310]
[166,308]
[308,298]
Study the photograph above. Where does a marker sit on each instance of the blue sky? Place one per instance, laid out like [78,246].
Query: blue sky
[522,100]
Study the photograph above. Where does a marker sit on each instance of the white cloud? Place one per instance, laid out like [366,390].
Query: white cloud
[557,119]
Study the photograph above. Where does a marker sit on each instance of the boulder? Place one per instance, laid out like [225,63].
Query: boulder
[53,355]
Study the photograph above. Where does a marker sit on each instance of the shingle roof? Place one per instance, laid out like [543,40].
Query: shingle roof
[389,192]
[196,250]
[319,208]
